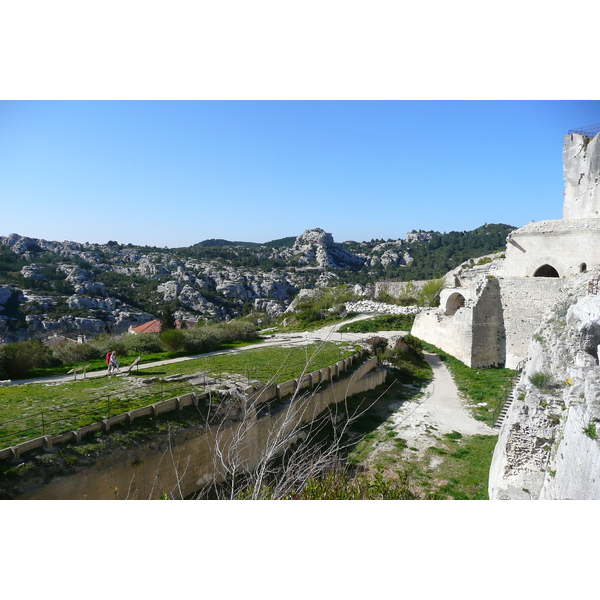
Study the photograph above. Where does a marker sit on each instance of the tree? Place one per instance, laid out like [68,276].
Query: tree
[167,318]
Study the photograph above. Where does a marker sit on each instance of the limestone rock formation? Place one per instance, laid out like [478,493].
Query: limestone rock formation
[548,446]
[581,159]
[315,245]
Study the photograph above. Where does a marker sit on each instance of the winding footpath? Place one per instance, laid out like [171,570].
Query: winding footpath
[280,339]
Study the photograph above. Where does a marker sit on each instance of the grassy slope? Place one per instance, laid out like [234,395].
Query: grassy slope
[103,396]
[462,472]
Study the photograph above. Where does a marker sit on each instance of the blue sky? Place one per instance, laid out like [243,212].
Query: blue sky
[173,173]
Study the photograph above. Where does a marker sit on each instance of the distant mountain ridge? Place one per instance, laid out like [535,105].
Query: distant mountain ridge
[48,286]
[220,242]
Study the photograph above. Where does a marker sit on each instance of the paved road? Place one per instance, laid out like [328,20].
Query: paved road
[329,333]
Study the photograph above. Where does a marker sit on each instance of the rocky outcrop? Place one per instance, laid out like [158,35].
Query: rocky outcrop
[315,246]
[548,446]
[581,171]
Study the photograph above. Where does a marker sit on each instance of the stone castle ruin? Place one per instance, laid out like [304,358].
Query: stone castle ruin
[492,307]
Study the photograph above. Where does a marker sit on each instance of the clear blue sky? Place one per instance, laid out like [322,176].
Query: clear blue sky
[173,173]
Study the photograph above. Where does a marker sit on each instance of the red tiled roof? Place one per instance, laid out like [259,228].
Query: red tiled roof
[149,327]
[154,326]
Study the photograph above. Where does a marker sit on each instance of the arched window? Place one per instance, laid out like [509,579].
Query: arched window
[454,302]
[546,271]
[582,268]
[457,282]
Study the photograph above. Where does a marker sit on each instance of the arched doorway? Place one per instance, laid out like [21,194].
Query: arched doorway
[454,302]
[582,268]
[546,271]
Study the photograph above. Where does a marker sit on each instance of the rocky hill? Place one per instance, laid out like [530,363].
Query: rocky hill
[68,287]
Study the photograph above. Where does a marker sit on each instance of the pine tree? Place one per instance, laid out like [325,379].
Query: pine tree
[167,318]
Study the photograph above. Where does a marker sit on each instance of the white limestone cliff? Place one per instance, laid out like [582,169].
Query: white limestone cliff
[581,171]
[548,447]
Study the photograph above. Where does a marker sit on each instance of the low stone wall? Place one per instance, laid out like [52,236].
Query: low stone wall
[186,465]
[376,308]
[453,335]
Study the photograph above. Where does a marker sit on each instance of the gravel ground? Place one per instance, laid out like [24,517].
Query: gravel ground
[440,410]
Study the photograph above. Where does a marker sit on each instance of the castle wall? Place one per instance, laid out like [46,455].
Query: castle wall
[565,245]
[493,329]
[488,341]
[581,172]
[524,302]
[452,334]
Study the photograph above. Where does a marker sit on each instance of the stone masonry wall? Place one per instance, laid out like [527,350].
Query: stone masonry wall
[453,335]
[488,347]
[186,465]
[524,302]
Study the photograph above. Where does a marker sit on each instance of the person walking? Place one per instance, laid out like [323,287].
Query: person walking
[113,365]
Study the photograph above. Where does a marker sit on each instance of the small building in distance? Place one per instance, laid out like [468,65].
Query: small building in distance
[154,326]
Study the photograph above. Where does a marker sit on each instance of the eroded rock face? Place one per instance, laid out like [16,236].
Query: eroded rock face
[548,447]
[272,307]
[581,171]
[169,290]
[318,246]
[589,338]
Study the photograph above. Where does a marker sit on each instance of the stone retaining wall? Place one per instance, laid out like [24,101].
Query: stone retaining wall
[188,464]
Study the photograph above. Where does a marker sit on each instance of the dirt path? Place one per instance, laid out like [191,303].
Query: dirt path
[281,339]
[439,411]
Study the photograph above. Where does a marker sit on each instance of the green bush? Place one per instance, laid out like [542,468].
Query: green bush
[319,306]
[18,358]
[143,343]
[201,339]
[65,351]
[415,343]
[429,294]
[590,431]
[541,380]
[173,339]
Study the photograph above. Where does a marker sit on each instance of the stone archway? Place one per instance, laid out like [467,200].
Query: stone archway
[454,302]
[546,271]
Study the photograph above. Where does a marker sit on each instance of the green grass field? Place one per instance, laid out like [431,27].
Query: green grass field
[50,408]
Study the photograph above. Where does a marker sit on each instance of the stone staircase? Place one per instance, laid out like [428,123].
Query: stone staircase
[504,410]
[509,396]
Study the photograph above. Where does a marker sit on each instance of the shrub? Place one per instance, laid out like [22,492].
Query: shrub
[18,358]
[414,343]
[201,339]
[173,339]
[143,343]
[429,294]
[590,431]
[541,380]
[318,307]
[65,351]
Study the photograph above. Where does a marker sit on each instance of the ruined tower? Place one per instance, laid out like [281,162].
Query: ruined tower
[581,171]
